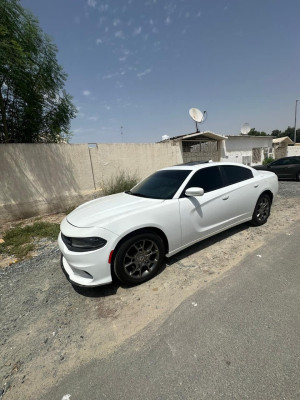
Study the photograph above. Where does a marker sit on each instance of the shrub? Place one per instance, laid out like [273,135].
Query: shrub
[268,160]
[121,182]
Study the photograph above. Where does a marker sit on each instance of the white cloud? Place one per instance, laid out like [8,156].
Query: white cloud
[107,108]
[99,41]
[120,35]
[137,31]
[103,7]
[119,85]
[168,21]
[86,92]
[93,118]
[116,22]
[123,58]
[108,76]
[92,3]
[146,72]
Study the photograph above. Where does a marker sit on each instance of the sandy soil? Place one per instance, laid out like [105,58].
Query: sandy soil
[48,327]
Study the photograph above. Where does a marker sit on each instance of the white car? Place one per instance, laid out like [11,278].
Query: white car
[129,234]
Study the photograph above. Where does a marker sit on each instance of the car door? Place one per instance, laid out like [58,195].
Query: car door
[242,190]
[201,216]
[283,168]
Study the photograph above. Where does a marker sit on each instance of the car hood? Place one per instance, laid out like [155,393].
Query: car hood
[106,211]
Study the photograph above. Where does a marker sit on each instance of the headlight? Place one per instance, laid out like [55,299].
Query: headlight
[83,244]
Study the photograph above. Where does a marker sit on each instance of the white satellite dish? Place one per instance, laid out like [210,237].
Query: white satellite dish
[198,116]
[245,129]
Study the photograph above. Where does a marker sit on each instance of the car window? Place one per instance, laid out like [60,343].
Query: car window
[283,161]
[161,185]
[209,179]
[234,174]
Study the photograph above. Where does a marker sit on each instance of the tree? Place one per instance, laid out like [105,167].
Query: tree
[34,107]
[290,132]
[254,132]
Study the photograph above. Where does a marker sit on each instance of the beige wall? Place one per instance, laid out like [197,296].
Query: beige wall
[140,159]
[293,150]
[37,179]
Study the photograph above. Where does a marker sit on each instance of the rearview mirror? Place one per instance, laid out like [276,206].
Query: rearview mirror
[194,192]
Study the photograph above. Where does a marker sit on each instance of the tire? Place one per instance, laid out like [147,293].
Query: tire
[139,258]
[298,176]
[262,210]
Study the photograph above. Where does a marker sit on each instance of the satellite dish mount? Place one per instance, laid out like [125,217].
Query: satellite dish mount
[198,116]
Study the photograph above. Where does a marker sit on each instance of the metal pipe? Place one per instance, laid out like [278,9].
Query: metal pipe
[295,133]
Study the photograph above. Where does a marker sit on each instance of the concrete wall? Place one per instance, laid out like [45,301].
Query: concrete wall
[139,159]
[40,178]
[293,151]
[37,179]
[236,147]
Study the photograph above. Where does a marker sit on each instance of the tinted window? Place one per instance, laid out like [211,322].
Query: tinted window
[161,185]
[234,174]
[207,178]
[285,161]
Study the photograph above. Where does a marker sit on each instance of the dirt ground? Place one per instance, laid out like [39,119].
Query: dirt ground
[48,328]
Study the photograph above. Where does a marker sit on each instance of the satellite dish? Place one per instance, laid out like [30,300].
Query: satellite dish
[165,137]
[198,116]
[245,129]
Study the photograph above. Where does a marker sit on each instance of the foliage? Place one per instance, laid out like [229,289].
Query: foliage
[18,241]
[268,160]
[121,182]
[254,132]
[34,106]
[290,132]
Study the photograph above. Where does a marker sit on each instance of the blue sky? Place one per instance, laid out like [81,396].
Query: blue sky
[142,64]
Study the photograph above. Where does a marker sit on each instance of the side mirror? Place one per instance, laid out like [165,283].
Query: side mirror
[194,192]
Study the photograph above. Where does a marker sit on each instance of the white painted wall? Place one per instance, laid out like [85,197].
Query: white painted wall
[236,147]
[293,151]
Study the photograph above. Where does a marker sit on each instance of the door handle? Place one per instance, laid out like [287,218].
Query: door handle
[256,185]
[225,198]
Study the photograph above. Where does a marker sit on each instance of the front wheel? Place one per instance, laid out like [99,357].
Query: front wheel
[139,258]
[262,210]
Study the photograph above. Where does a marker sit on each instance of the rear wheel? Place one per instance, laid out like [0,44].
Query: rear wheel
[262,210]
[139,258]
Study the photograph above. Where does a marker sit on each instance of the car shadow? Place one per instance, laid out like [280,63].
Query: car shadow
[112,289]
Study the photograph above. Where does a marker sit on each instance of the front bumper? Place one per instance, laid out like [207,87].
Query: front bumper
[90,268]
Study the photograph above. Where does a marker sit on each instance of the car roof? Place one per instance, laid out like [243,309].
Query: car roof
[195,165]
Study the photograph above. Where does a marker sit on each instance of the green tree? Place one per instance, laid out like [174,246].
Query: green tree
[254,132]
[290,131]
[34,107]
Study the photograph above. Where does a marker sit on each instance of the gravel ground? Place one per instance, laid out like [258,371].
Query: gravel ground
[48,328]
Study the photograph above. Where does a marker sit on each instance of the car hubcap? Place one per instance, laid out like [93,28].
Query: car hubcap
[141,258]
[263,209]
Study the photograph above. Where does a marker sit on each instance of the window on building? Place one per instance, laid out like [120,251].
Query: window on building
[256,155]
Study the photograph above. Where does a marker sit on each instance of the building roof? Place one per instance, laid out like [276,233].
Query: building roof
[284,139]
[250,136]
[199,135]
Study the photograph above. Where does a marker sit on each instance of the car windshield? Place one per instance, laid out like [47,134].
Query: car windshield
[161,185]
